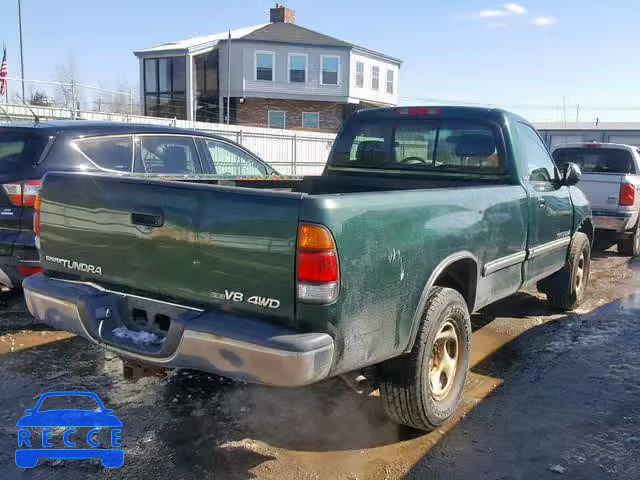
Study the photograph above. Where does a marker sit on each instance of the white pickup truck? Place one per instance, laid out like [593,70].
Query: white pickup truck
[610,180]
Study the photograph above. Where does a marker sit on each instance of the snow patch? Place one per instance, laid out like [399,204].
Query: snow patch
[137,336]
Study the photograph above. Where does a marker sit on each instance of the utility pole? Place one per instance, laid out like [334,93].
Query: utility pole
[577,113]
[229,78]
[21,56]
[564,110]
[73,100]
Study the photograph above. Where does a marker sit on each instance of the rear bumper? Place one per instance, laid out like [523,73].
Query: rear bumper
[9,275]
[215,342]
[616,221]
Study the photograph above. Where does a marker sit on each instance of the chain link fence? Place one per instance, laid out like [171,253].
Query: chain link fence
[73,96]
[290,152]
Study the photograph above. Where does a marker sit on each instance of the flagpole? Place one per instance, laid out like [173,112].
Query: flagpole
[6,86]
[229,79]
[21,56]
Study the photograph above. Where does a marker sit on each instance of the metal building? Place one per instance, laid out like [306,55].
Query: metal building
[558,133]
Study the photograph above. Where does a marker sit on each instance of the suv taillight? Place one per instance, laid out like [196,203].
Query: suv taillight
[22,194]
[317,270]
[36,217]
[627,196]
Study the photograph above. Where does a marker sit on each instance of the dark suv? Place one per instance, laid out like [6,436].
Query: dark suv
[28,151]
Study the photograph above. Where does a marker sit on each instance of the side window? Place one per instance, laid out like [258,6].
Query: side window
[277,119]
[168,154]
[540,165]
[111,153]
[228,160]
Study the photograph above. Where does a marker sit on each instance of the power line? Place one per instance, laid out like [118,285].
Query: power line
[529,106]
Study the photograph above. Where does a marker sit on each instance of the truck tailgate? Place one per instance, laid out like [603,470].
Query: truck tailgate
[601,189]
[182,242]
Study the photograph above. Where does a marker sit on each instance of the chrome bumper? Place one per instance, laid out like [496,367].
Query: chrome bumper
[618,222]
[230,346]
[5,281]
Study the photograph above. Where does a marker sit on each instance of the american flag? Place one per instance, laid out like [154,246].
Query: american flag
[4,71]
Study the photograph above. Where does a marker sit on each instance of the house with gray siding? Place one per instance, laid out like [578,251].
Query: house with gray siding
[278,75]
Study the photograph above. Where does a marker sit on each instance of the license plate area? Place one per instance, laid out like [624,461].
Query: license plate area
[144,325]
[155,317]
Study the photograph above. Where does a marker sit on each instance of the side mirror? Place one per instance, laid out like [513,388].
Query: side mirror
[571,175]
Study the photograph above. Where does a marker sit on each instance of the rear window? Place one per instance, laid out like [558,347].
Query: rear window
[111,153]
[596,160]
[18,149]
[445,146]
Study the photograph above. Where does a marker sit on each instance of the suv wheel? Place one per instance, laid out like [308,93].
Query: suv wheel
[565,289]
[630,246]
[422,389]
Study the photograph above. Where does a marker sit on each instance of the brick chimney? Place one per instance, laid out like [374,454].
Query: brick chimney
[281,14]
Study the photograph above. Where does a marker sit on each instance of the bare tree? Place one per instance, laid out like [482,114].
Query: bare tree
[39,98]
[117,100]
[68,93]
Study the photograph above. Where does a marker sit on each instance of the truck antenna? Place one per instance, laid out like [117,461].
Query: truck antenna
[36,119]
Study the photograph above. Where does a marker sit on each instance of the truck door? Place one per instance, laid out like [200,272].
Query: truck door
[550,207]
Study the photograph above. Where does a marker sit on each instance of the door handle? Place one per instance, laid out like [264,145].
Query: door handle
[542,203]
[147,218]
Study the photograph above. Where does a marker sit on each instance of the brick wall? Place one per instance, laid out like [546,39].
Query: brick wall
[254,111]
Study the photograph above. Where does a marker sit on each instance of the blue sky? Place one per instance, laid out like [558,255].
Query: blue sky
[519,54]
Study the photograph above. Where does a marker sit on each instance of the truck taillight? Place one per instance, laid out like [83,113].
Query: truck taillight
[22,194]
[627,196]
[317,269]
[28,271]
[36,216]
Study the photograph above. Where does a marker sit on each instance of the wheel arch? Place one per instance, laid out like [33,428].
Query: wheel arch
[459,271]
[588,229]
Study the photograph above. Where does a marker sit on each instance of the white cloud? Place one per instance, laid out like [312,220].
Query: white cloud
[515,9]
[543,21]
[498,17]
[492,13]
[507,10]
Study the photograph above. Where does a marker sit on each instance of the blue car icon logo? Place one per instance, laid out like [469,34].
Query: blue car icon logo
[70,420]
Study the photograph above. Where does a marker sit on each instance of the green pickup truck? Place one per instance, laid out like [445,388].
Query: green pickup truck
[422,216]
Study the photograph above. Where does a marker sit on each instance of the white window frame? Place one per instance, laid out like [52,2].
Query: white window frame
[306,67]
[358,62]
[255,65]
[339,76]
[373,69]
[393,81]
[276,111]
[310,113]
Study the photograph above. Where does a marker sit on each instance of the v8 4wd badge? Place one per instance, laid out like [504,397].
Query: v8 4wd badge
[239,297]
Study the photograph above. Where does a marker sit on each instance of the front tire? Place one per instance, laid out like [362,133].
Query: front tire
[565,289]
[422,388]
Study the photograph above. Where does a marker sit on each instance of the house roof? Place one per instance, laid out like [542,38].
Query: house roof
[279,32]
[292,33]
[196,43]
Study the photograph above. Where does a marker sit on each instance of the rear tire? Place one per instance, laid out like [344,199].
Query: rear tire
[630,246]
[603,241]
[422,388]
[565,289]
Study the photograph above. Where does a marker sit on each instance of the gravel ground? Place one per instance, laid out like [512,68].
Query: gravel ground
[550,396]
